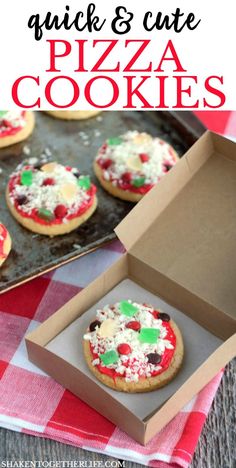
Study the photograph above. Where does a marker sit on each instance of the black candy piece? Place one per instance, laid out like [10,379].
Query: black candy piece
[154,358]
[168,167]
[38,166]
[163,316]
[94,324]
[21,199]
[76,174]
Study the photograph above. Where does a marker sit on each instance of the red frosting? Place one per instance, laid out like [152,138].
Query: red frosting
[166,357]
[10,130]
[3,234]
[125,182]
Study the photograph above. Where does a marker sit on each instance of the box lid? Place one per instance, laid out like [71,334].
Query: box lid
[185,226]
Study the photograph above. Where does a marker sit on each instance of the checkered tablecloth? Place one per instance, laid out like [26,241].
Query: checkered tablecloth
[33,403]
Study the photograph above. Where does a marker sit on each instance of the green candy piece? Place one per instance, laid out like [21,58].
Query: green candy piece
[26,178]
[110,357]
[149,335]
[127,308]
[45,214]
[114,141]
[84,182]
[139,182]
[2,113]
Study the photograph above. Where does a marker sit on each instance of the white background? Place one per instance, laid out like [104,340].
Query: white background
[208,50]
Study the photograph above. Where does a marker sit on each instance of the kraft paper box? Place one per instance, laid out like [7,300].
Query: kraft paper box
[181,257]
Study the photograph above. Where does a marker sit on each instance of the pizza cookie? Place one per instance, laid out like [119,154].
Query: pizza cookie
[128,166]
[5,243]
[73,115]
[50,199]
[133,347]
[15,126]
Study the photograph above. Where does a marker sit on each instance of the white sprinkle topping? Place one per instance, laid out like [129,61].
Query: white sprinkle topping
[76,246]
[26,150]
[83,135]
[48,152]
[33,161]
[50,196]
[138,364]
[15,119]
[126,157]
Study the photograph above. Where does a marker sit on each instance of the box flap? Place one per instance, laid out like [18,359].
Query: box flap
[139,220]
[188,231]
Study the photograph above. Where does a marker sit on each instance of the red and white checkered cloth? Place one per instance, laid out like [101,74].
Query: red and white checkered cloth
[33,403]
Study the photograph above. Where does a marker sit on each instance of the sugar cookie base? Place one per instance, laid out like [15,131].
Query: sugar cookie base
[22,134]
[143,385]
[53,229]
[116,191]
[73,115]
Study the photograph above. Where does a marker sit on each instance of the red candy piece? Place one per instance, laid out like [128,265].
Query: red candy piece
[60,211]
[106,164]
[144,157]
[49,181]
[134,325]
[126,177]
[68,168]
[124,348]
[6,123]
[103,148]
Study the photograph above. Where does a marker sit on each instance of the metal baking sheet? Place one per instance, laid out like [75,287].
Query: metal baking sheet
[76,143]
